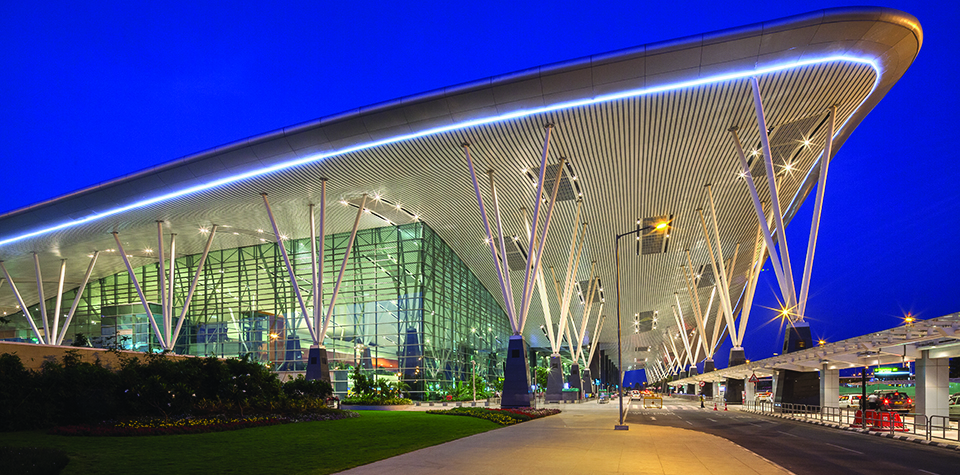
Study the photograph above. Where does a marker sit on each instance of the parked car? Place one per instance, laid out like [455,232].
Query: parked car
[766,396]
[894,401]
[955,407]
[850,400]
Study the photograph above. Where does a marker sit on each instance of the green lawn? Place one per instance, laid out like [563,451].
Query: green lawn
[312,447]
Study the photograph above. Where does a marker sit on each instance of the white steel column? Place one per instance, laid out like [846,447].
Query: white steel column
[678,316]
[534,232]
[761,216]
[817,208]
[318,275]
[318,338]
[53,338]
[76,299]
[168,304]
[163,284]
[695,301]
[829,386]
[543,240]
[719,272]
[791,296]
[43,301]
[346,258]
[503,266]
[136,285]
[23,306]
[193,286]
[594,338]
[286,261]
[507,292]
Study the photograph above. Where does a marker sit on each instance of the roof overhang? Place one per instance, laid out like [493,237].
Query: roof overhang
[643,128]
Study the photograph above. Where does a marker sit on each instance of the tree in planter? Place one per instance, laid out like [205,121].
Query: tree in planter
[542,374]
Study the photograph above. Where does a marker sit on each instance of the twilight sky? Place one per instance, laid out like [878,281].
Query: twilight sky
[94,90]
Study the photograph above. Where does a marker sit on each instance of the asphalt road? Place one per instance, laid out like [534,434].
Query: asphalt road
[800,447]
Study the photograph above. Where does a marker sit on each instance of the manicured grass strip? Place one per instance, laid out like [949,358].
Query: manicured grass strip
[309,447]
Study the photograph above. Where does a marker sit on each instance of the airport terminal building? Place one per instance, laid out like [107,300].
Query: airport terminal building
[446,234]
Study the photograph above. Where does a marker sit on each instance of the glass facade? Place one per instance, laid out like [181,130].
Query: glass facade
[408,308]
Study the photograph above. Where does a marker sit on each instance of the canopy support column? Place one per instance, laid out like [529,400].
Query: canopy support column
[23,306]
[193,286]
[76,299]
[286,261]
[43,300]
[136,285]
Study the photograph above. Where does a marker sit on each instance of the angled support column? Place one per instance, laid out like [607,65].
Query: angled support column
[193,286]
[136,285]
[761,216]
[168,300]
[682,326]
[719,271]
[534,232]
[497,264]
[346,258]
[759,256]
[543,241]
[286,261]
[43,300]
[53,338]
[163,283]
[695,301]
[504,268]
[318,272]
[23,306]
[791,296]
[817,208]
[76,299]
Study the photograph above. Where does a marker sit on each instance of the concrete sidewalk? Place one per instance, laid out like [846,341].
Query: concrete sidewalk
[581,439]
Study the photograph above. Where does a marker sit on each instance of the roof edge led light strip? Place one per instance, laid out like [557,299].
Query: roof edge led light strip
[463,125]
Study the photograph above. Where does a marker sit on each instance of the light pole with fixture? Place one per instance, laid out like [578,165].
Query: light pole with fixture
[659,226]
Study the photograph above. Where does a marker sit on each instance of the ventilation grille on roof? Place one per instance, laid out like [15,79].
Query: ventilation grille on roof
[584,289]
[569,189]
[654,241]
[516,255]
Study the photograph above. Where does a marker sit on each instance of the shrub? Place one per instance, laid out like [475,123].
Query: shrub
[500,416]
[73,392]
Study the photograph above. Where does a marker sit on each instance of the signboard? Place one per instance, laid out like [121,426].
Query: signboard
[754,378]
[702,384]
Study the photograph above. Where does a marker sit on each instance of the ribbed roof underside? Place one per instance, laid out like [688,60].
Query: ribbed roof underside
[646,155]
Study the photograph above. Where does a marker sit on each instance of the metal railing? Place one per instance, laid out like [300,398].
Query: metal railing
[929,428]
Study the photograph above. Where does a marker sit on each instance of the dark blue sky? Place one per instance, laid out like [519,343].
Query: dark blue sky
[89,93]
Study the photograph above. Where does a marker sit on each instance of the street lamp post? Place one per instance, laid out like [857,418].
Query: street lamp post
[637,232]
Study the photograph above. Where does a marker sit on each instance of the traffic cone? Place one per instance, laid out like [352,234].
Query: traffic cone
[714,406]
[724,405]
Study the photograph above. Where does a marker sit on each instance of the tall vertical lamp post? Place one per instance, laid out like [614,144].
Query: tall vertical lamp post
[635,232]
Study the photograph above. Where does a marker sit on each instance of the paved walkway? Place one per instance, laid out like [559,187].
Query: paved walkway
[580,440]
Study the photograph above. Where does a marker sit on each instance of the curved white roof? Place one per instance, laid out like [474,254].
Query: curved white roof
[644,129]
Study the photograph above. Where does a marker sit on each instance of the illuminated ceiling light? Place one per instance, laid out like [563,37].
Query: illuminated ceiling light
[821,342]
[318,157]
[148,250]
[343,202]
[806,142]
[202,231]
[661,226]
[260,231]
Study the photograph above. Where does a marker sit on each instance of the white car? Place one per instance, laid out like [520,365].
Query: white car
[955,407]
[850,401]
